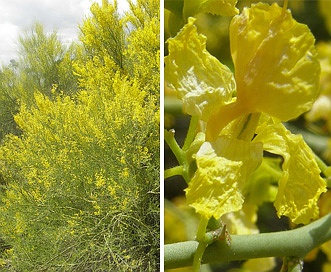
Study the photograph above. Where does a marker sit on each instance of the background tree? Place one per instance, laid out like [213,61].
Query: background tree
[8,100]
[44,63]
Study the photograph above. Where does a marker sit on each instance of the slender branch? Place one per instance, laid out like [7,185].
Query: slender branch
[326,170]
[191,133]
[202,244]
[173,105]
[169,137]
[295,243]
[174,171]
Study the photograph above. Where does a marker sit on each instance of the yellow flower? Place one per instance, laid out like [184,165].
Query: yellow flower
[223,167]
[300,185]
[201,81]
[276,78]
[125,172]
[100,180]
[276,66]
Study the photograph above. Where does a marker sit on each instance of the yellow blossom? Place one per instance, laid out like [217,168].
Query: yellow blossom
[223,167]
[276,71]
[201,81]
[276,78]
[300,185]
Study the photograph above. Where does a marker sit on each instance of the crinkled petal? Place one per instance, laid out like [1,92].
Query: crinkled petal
[201,81]
[276,65]
[216,7]
[300,185]
[219,7]
[223,168]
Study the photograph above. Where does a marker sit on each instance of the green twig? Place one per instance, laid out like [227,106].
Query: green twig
[202,243]
[297,242]
[174,171]
[191,133]
[173,106]
[326,170]
[169,137]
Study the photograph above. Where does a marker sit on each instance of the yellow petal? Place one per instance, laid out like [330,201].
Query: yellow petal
[276,65]
[201,81]
[300,185]
[223,168]
[216,7]
[220,7]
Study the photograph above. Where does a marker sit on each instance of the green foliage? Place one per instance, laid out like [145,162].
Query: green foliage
[81,190]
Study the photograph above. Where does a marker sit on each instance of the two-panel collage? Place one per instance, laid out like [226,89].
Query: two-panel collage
[172,135]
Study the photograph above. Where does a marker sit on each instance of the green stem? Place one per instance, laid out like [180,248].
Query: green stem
[169,137]
[276,173]
[202,229]
[198,256]
[326,170]
[297,242]
[200,237]
[173,106]
[191,133]
[174,171]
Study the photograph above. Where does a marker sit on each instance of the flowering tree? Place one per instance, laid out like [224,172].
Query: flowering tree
[80,185]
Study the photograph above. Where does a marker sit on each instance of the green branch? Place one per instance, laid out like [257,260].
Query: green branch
[174,171]
[292,243]
[173,105]
[169,137]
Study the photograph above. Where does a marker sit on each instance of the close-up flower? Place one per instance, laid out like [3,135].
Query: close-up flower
[276,79]
[241,151]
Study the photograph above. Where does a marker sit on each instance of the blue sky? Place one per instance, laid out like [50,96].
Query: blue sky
[64,16]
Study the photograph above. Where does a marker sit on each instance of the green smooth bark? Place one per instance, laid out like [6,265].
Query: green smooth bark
[291,243]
